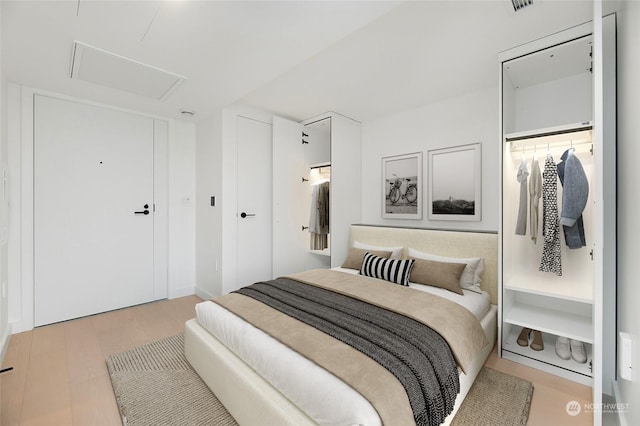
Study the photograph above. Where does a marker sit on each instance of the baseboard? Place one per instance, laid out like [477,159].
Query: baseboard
[181,292]
[203,294]
[5,343]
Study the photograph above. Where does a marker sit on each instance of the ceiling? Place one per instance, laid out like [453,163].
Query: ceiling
[364,59]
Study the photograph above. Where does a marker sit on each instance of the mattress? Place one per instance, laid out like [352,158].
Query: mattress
[282,367]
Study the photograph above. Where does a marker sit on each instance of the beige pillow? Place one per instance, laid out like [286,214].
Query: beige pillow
[396,252]
[438,274]
[356,255]
[470,278]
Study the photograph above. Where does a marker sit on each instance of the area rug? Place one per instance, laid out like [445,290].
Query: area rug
[495,398]
[155,385]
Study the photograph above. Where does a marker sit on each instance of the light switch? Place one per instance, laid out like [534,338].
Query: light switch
[626,356]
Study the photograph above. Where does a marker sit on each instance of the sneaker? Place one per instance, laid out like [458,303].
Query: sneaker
[563,348]
[578,353]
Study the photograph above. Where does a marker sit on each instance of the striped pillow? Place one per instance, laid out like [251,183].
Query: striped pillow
[394,270]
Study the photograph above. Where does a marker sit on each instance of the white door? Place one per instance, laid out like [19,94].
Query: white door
[254,210]
[291,199]
[93,209]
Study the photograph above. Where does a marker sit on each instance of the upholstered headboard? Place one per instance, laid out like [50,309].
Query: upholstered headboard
[443,243]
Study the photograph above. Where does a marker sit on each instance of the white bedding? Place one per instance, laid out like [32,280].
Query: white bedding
[281,366]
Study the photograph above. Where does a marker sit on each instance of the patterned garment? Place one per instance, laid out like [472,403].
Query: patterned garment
[550,261]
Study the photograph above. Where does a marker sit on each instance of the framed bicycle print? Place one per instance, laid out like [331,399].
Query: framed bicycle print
[402,186]
[455,183]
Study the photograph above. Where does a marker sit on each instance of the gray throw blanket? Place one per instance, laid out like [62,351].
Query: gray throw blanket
[414,353]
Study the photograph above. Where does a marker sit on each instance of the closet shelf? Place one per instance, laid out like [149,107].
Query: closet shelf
[572,291]
[551,321]
[549,131]
[548,354]
[325,252]
[559,136]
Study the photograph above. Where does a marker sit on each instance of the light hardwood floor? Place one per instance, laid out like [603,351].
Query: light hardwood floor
[60,375]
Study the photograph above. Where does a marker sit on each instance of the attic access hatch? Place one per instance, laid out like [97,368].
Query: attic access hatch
[108,69]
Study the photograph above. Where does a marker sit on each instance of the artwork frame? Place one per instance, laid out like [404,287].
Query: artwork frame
[455,183]
[402,190]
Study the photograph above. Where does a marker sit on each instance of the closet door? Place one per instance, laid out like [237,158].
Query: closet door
[291,201]
[289,194]
[93,209]
[254,202]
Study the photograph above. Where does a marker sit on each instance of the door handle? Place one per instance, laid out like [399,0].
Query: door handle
[243,214]
[145,211]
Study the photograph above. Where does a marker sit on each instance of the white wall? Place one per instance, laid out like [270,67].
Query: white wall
[5,330]
[461,120]
[209,218]
[182,208]
[217,169]
[181,199]
[628,199]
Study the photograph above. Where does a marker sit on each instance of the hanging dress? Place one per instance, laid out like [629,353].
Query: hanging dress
[521,223]
[535,192]
[550,261]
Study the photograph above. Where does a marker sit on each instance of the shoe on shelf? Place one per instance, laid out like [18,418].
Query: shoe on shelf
[523,337]
[563,349]
[537,344]
[578,353]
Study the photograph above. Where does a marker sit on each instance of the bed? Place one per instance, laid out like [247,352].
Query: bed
[261,380]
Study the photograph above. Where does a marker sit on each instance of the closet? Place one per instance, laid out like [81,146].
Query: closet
[556,278]
[316,191]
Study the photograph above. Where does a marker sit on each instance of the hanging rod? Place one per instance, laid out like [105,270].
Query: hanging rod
[544,147]
[319,166]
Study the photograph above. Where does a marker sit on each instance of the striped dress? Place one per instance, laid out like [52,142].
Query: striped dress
[550,261]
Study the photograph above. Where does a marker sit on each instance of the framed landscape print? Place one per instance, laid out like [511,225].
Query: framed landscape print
[402,186]
[455,183]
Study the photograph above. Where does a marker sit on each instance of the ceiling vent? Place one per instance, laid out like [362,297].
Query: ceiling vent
[519,5]
[108,69]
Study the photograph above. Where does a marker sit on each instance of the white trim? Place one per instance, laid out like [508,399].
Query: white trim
[183,291]
[202,294]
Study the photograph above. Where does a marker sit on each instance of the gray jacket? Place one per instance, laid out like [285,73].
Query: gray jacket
[574,198]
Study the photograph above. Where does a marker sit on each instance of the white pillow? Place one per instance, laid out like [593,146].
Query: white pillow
[470,278]
[396,252]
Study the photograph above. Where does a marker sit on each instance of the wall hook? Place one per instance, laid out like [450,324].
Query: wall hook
[305,180]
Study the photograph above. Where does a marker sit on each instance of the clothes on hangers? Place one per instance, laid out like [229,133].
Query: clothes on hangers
[550,261]
[319,217]
[535,193]
[574,198]
[521,176]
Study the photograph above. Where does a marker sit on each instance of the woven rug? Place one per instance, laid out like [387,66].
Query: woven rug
[494,399]
[155,385]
